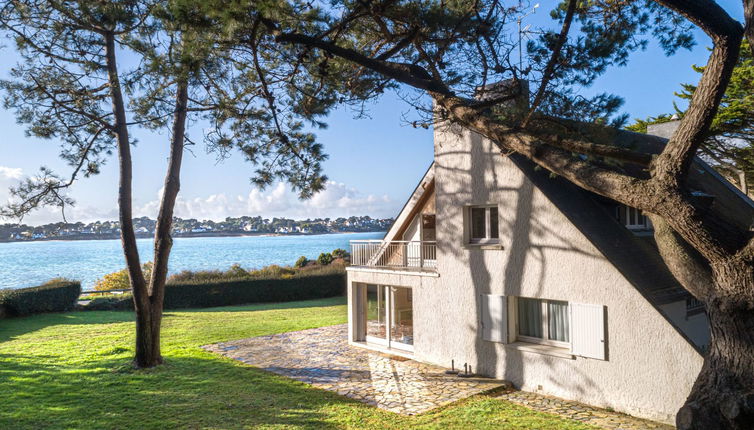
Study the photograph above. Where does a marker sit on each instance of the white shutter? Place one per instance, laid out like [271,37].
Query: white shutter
[494,318]
[588,330]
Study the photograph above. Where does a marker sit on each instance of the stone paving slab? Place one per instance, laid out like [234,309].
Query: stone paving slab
[580,412]
[322,357]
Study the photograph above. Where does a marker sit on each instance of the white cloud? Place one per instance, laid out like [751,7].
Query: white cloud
[14,173]
[9,176]
[85,214]
[279,201]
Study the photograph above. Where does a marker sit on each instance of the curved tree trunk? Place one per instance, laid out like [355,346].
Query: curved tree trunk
[127,234]
[149,322]
[723,394]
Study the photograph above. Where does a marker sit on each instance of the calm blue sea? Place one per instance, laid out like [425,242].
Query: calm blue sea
[24,264]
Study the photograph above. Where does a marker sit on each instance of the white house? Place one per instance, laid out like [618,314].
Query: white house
[531,279]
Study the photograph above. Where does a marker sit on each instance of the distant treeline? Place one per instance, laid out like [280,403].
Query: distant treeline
[192,227]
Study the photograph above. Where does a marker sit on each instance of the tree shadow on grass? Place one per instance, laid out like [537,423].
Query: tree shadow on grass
[255,307]
[14,327]
[187,392]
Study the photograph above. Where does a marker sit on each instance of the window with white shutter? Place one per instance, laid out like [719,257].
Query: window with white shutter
[588,331]
[542,321]
[494,318]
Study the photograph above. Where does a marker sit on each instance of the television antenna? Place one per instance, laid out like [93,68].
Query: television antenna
[521,32]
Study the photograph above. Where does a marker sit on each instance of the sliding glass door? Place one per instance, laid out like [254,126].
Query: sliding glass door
[388,316]
[401,318]
[376,314]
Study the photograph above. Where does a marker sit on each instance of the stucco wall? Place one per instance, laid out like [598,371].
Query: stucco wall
[650,367]
[696,327]
[421,284]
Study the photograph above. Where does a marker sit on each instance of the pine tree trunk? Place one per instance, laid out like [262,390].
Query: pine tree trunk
[723,394]
[149,320]
[146,354]
[148,337]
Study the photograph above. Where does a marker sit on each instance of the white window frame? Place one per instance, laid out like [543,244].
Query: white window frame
[544,322]
[631,214]
[387,296]
[488,239]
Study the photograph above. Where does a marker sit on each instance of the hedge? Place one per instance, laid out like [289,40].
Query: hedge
[54,296]
[122,303]
[243,291]
[207,294]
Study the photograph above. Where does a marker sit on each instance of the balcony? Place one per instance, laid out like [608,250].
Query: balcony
[396,254]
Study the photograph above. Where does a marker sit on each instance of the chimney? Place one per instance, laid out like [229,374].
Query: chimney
[665,129]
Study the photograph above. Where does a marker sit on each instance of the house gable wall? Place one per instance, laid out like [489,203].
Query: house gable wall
[650,367]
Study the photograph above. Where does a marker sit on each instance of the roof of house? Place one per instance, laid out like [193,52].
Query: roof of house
[409,210]
[729,204]
[636,257]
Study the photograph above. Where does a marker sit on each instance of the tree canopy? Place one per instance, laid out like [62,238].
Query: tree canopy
[261,71]
[729,144]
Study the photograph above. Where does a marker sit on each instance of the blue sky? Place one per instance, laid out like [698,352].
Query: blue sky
[374,163]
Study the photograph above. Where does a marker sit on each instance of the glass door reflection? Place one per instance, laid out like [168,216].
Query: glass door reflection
[401,318]
[389,316]
[376,314]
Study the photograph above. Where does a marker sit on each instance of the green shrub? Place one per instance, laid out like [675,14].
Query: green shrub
[119,280]
[254,290]
[324,258]
[272,271]
[57,295]
[301,262]
[340,253]
[122,303]
[237,271]
[199,275]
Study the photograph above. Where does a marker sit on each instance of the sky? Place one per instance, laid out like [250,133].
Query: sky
[373,164]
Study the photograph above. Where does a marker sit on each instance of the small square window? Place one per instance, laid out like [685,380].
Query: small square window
[543,321]
[478,223]
[483,224]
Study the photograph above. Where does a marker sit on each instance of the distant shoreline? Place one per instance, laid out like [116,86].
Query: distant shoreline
[74,238]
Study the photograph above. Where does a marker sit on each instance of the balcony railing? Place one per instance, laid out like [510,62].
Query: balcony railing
[396,254]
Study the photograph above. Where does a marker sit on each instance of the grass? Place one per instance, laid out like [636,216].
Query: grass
[72,371]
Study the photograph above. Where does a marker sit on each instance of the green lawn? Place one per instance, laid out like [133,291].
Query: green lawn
[72,371]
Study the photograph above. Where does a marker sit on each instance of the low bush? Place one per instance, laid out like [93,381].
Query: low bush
[302,286]
[57,295]
[301,262]
[123,302]
[236,272]
[324,258]
[119,280]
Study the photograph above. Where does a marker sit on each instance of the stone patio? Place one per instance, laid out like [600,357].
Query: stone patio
[580,412]
[321,357]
